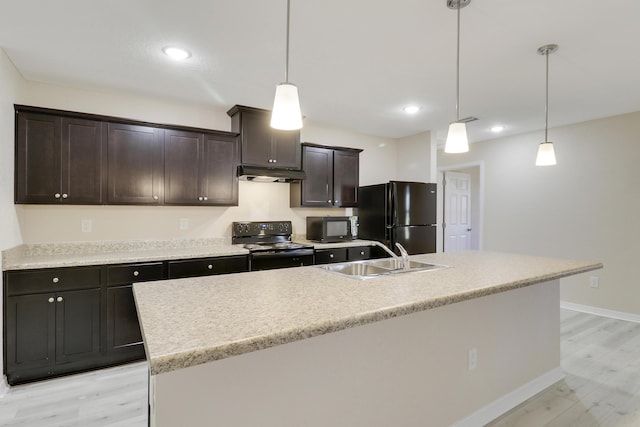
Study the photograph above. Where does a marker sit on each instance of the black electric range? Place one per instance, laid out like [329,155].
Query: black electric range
[270,246]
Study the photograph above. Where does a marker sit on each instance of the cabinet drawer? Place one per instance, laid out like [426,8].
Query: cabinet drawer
[327,256]
[358,253]
[130,273]
[208,266]
[55,279]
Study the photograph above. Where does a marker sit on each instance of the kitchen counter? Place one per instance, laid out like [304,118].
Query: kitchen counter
[304,346]
[193,321]
[75,254]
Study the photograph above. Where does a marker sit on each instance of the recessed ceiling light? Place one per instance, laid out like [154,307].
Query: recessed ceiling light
[497,129]
[411,109]
[176,53]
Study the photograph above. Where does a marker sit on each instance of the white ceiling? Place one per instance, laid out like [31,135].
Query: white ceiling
[356,62]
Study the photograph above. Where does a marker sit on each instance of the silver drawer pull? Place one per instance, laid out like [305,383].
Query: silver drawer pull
[57,195]
[55,280]
[59,299]
[210,267]
[51,299]
[200,198]
[155,197]
[136,273]
[65,195]
[361,252]
[205,198]
[330,255]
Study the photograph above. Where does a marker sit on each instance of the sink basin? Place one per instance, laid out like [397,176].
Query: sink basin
[358,270]
[397,266]
[379,267]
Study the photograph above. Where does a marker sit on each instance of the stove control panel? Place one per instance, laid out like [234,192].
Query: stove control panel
[266,228]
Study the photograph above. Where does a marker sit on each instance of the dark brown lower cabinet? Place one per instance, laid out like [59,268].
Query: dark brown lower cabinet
[51,333]
[124,339]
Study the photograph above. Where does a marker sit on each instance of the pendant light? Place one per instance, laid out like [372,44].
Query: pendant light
[457,141]
[286,114]
[546,154]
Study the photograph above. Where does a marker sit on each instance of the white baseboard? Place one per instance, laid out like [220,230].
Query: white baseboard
[510,400]
[621,315]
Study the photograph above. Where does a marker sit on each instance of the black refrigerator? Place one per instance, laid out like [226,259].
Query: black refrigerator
[399,211]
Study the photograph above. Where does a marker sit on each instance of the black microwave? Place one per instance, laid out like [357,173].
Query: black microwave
[330,229]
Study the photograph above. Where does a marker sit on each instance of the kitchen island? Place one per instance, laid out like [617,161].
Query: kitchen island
[304,346]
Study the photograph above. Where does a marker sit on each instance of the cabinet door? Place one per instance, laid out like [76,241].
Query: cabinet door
[77,325]
[345,178]
[123,329]
[286,148]
[219,181]
[256,139]
[135,171]
[182,167]
[30,332]
[82,161]
[317,187]
[37,158]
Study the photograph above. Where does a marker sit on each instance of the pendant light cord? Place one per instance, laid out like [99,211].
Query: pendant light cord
[458,68]
[546,104]
[286,67]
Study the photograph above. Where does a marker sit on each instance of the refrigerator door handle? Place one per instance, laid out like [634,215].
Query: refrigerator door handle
[394,210]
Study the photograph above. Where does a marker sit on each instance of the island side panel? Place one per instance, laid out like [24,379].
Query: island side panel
[410,370]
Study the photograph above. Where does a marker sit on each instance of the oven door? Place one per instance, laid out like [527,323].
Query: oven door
[268,260]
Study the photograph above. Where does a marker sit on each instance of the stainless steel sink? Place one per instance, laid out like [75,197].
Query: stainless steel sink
[356,269]
[378,267]
[398,266]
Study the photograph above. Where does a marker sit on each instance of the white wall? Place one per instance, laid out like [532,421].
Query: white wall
[414,158]
[586,207]
[257,201]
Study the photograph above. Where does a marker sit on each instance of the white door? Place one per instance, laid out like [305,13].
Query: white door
[457,211]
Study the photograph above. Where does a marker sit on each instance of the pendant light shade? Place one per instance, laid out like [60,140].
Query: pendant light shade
[457,141]
[546,154]
[286,114]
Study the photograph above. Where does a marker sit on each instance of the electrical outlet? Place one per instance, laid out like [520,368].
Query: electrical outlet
[184,223]
[594,281]
[86,225]
[473,358]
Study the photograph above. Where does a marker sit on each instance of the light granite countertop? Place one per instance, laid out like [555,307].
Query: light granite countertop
[75,254]
[188,322]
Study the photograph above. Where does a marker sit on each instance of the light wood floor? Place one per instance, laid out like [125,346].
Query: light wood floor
[600,356]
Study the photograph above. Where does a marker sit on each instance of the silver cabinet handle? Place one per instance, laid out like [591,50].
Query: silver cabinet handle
[65,195]
[57,195]
[136,273]
[155,197]
[55,280]
[200,198]
[51,299]
[205,198]
[275,161]
[59,299]
[210,267]
[361,252]
[336,201]
[330,255]
[329,201]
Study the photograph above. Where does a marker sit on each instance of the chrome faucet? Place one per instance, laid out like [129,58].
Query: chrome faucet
[405,255]
[386,249]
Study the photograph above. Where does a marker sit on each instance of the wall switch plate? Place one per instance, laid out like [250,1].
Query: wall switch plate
[184,223]
[86,225]
[594,281]
[473,358]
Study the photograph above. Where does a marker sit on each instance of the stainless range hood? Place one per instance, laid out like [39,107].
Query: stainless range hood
[261,174]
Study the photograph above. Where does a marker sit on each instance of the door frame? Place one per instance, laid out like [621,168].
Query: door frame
[477,193]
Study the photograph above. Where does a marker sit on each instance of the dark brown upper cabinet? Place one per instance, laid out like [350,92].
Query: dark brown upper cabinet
[58,159]
[200,168]
[332,177]
[261,144]
[136,164]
